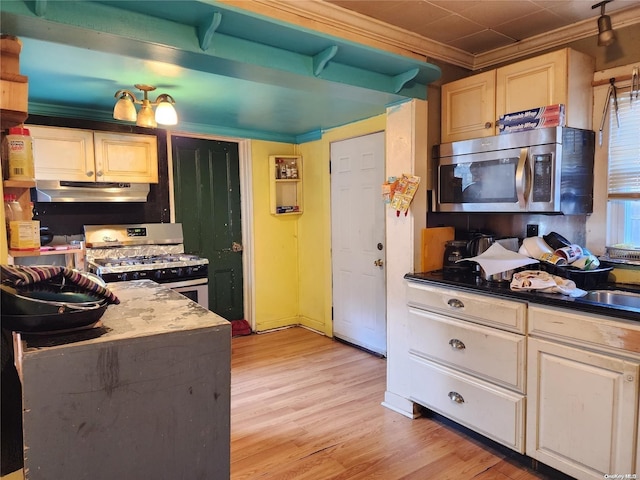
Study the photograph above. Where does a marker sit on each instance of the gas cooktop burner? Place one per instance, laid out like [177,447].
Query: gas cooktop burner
[146,260]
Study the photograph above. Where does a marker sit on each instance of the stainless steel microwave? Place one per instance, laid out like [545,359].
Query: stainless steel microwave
[547,170]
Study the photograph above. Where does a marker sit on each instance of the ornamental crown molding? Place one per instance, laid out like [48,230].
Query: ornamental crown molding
[337,21]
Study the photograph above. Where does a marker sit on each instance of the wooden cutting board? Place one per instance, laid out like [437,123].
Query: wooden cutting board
[433,242]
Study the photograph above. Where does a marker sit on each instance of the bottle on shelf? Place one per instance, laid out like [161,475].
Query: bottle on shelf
[22,234]
[18,150]
[8,212]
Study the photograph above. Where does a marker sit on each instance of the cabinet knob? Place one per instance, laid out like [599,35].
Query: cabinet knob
[456,397]
[89,173]
[488,125]
[457,344]
[99,173]
[455,303]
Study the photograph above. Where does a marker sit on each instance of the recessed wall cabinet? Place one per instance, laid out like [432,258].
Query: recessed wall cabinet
[472,105]
[467,360]
[285,174]
[89,156]
[582,407]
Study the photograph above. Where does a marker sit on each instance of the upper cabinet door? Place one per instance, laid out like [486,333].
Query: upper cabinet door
[468,108]
[63,153]
[126,158]
[532,83]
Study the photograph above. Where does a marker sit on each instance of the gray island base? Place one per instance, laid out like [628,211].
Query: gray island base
[147,395]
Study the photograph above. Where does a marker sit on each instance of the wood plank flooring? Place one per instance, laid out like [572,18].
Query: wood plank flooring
[306,407]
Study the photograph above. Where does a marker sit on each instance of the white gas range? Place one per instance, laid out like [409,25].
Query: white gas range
[153,251]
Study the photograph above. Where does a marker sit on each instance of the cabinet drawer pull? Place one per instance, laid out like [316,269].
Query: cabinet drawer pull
[457,344]
[456,397]
[455,303]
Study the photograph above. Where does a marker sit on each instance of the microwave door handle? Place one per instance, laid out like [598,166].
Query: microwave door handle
[521,177]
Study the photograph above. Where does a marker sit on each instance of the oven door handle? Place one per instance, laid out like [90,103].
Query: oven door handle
[521,178]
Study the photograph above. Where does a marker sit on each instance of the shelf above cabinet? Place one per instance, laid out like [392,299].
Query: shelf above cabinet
[18,184]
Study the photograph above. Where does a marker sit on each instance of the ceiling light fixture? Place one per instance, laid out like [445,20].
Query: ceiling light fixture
[606,35]
[125,109]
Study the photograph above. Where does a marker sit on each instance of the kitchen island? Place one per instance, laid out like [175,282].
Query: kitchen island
[143,394]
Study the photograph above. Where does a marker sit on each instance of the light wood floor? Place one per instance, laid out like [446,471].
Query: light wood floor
[304,407]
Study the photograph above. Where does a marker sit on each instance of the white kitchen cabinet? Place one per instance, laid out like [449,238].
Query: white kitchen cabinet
[469,107]
[472,105]
[467,359]
[582,407]
[79,155]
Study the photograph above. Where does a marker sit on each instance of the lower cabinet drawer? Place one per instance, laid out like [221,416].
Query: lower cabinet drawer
[485,408]
[489,353]
[490,310]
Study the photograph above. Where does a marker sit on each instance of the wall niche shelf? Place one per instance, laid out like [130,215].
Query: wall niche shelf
[285,182]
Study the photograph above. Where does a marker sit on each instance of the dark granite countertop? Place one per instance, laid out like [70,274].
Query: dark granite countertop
[474,284]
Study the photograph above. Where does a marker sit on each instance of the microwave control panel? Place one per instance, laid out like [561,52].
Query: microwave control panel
[542,176]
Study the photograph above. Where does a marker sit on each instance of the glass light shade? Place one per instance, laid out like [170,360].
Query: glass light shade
[146,117]
[606,35]
[124,109]
[166,113]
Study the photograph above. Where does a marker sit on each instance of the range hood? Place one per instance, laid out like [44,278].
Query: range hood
[63,191]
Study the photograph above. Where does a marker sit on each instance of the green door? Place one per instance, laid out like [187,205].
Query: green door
[207,200]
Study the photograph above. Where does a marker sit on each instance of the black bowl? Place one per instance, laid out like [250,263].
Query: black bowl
[51,322]
[46,299]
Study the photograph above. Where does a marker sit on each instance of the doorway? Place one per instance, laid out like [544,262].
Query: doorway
[206,184]
[357,241]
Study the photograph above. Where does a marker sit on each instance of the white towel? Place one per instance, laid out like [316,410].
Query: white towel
[540,281]
[497,259]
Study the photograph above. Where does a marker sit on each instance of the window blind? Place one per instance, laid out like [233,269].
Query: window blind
[624,148]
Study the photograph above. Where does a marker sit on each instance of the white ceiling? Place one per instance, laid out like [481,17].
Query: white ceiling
[479,26]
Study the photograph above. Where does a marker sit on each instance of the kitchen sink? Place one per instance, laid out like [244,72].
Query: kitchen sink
[613,297]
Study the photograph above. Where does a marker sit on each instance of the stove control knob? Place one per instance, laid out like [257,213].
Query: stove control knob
[157,274]
[180,272]
[135,276]
[189,270]
[124,277]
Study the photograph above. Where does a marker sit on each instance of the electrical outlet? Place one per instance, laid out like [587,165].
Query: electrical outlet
[532,230]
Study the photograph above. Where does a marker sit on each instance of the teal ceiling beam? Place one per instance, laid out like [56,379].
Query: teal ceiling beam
[206,30]
[400,80]
[321,59]
[103,116]
[40,7]
[107,28]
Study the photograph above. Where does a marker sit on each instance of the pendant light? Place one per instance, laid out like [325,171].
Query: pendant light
[165,113]
[606,35]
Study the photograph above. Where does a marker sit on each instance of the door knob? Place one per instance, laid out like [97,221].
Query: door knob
[378,262]
[236,247]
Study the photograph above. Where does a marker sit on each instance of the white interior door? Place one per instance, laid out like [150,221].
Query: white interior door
[357,241]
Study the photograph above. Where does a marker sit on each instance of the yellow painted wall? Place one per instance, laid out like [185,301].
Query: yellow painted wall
[276,281]
[293,253]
